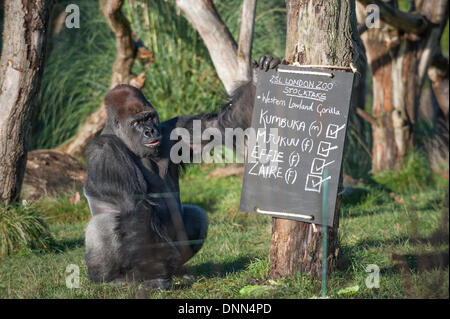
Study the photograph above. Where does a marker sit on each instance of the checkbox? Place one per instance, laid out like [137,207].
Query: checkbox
[317,166]
[333,130]
[325,148]
[313,183]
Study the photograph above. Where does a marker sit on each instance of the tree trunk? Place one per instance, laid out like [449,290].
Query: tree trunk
[318,33]
[21,65]
[399,60]
[121,74]
[232,62]
[439,74]
[437,145]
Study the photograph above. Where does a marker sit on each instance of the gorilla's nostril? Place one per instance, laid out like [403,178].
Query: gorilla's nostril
[147,133]
[152,131]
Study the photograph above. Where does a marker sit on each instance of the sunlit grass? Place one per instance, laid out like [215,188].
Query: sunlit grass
[397,212]
[22,227]
[373,225]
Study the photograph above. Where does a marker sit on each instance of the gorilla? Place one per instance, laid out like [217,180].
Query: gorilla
[139,230]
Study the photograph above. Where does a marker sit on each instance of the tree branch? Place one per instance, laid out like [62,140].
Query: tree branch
[202,14]
[401,20]
[246,39]
[121,73]
[232,63]
[366,116]
[111,9]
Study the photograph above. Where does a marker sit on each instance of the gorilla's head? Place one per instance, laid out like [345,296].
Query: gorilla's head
[134,120]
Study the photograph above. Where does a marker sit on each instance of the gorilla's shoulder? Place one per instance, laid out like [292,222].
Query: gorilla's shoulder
[101,140]
[107,146]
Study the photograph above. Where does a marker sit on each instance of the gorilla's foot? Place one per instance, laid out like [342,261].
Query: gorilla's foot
[163,284]
[118,282]
[182,272]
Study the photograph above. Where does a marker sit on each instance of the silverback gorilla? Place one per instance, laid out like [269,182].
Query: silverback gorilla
[139,230]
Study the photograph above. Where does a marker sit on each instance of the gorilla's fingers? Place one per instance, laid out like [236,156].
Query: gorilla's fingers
[267,63]
[274,63]
[261,61]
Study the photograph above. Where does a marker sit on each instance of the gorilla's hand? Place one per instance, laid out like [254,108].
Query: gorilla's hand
[267,62]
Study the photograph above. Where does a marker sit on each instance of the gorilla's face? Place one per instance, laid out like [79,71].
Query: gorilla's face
[136,121]
[143,129]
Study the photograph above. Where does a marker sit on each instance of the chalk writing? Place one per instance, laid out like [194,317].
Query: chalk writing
[285,170]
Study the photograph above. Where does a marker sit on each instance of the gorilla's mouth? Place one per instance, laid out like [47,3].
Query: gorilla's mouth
[153,143]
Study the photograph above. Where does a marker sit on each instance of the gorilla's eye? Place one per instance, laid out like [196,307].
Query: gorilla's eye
[135,123]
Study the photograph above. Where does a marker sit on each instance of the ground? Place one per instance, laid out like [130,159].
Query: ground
[50,172]
[400,233]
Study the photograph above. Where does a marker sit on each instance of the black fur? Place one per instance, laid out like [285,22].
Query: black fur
[140,231]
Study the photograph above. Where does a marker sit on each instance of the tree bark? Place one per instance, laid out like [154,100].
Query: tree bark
[121,74]
[438,73]
[408,22]
[318,33]
[399,59]
[437,145]
[232,62]
[244,52]
[21,65]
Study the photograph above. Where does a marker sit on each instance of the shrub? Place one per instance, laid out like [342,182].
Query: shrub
[22,227]
[414,176]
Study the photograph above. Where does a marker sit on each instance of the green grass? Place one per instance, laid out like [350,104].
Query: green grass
[22,228]
[374,223]
[394,213]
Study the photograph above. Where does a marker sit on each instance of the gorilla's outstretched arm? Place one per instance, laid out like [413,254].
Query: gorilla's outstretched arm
[237,113]
[136,232]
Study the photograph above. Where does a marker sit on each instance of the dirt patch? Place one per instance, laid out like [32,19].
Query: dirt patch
[229,170]
[50,173]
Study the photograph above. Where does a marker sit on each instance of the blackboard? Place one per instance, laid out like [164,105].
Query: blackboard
[285,173]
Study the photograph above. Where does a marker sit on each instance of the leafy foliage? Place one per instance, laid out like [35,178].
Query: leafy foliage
[76,77]
[22,227]
[414,177]
[182,80]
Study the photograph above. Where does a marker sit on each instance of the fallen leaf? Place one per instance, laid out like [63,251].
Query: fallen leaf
[398,199]
[75,199]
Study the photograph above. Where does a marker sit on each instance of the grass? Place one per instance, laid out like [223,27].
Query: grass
[22,228]
[394,220]
[374,224]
